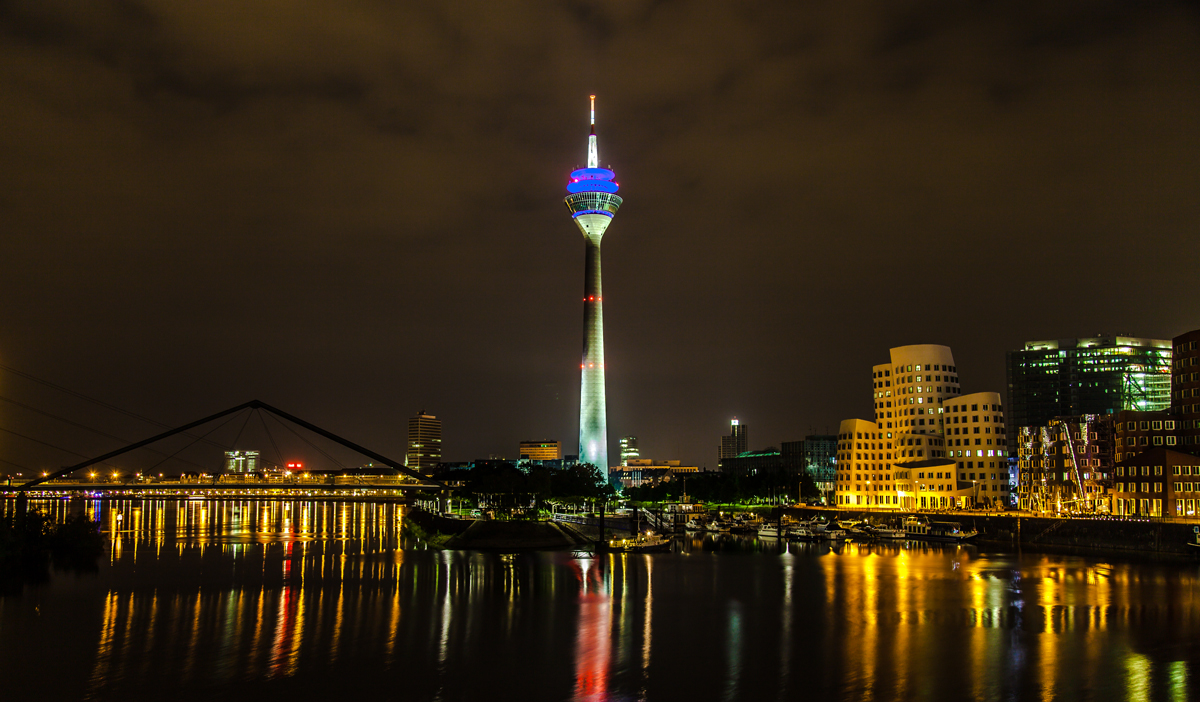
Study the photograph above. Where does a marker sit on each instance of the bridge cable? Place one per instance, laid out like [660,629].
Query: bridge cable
[18,465]
[236,439]
[83,426]
[278,454]
[316,448]
[193,443]
[81,396]
[57,448]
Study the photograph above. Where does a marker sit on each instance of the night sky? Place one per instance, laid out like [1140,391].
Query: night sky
[353,210]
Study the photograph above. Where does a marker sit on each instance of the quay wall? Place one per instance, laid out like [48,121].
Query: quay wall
[1094,534]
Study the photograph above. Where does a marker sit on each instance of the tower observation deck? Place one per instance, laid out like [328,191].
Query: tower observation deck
[592,201]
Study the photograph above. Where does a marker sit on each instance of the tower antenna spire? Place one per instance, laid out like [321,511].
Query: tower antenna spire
[593,149]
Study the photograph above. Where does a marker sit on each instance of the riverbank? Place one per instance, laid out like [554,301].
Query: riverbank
[495,535]
[1097,535]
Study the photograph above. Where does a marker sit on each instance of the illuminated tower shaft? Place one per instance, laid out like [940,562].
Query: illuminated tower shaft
[593,202]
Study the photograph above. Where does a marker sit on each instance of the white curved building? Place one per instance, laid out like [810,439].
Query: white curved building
[909,464]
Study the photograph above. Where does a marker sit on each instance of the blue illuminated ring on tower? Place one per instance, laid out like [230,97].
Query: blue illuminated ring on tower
[592,180]
[592,174]
[592,186]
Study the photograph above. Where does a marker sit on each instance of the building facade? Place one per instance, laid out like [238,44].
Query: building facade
[864,463]
[637,472]
[932,483]
[1066,464]
[424,450]
[592,202]
[1095,375]
[1136,432]
[542,450]
[1159,482]
[1185,390]
[768,461]
[977,441]
[817,454]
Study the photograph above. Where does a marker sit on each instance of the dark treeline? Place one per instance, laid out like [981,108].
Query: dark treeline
[505,489]
[728,489]
[30,540]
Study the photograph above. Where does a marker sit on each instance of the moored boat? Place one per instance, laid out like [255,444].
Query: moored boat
[923,530]
[769,531]
[802,533]
[812,525]
[642,543]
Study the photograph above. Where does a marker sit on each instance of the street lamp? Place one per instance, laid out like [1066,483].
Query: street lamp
[974,494]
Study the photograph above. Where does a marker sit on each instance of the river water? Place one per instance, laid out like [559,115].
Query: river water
[315,600]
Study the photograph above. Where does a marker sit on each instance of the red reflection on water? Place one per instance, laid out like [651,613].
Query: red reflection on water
[593,641]
[285,622]
[592,647]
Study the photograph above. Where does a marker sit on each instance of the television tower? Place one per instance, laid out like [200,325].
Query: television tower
[592,201]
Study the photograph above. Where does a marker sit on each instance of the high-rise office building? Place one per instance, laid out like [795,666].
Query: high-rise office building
[736,442]
[1095,375]
[241,461]
[629,448]
[543,450]
[424,451]
[592,201]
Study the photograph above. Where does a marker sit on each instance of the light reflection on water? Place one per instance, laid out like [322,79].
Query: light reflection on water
[243,598]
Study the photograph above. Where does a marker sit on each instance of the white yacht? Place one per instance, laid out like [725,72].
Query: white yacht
[801,532]
[770,531]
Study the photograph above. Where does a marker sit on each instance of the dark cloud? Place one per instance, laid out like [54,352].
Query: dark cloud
[352,209]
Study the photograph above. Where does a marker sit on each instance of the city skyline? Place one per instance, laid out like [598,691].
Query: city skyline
[357,217]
